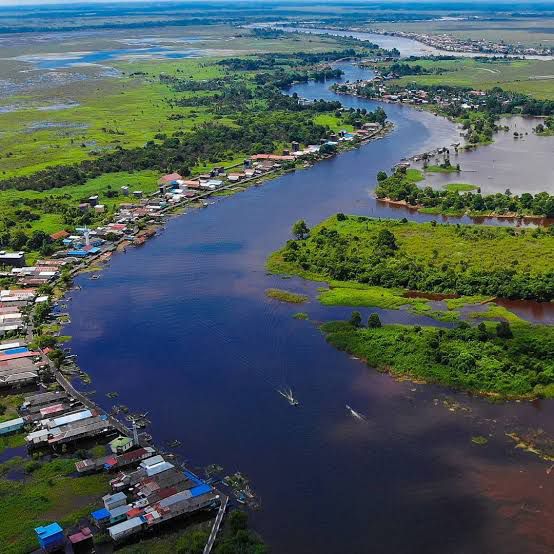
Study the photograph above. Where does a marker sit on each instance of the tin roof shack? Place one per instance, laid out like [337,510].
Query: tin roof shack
[126,528]
[36,401]
[170,179]
[82,541]
[120,513]
[50,537]
[100,517]
[13,259]
[112,501]
[17,372]
[11,426]
[112,462]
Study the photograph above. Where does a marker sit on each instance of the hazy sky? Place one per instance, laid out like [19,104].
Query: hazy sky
[445,2]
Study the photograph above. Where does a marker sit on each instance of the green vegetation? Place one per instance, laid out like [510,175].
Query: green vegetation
[398,187]
[9,406]
[528,77]
[47,493]
[236,538]
[301,315]
[286,296]
[12,441]
[179,541]
[442,169]
[483,359]
[452,259]
[185,116]
[460,187]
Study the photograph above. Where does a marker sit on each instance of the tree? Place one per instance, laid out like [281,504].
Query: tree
[356,319]
[300,230]
[374,322]
[386,242]
[503,330]
[341,217]
[381,176]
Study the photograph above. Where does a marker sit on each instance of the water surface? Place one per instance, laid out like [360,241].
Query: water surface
[181,328]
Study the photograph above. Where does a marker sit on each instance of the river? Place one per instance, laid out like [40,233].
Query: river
[406,46]
[181,328]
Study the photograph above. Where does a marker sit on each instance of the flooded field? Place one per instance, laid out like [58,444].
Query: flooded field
[521,163]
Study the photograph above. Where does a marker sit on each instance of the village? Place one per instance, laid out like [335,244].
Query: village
[450,43]
[379,88]
[148,487]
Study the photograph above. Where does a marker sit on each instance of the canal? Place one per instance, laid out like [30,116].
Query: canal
[181,328]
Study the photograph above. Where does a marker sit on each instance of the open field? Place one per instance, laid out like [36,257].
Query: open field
[532,77]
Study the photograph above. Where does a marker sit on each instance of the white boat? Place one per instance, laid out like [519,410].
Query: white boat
[287,393]
[355,414]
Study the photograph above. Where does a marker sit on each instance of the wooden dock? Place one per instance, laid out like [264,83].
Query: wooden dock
[216,525]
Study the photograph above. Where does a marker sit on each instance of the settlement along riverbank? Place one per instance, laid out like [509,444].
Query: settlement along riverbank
[214,349]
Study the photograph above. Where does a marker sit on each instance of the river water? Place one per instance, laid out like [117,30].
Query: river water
[406,46]
[181,328]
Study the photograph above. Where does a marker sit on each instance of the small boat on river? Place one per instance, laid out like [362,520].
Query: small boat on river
[287,393]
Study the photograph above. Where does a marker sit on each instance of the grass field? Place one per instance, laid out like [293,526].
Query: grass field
[533,77]
[48,493]
[460,187]
[286,296]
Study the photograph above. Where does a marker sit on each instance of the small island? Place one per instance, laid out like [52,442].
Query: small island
[457,199]
[392,264]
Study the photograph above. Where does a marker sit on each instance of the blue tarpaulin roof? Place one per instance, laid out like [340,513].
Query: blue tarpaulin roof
[200,489]
[193,477]
[100,514]
[18,350]
[46,531]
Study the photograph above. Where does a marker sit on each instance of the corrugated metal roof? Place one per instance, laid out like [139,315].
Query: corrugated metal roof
[124,526]
[179,497]
[12,423]
[118,496]
[120,510]
[152,461]
[69,418]
[158,468]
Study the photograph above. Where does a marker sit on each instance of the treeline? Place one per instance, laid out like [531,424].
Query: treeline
[338,257]
[211,142]
[399,69]
[399,187]
[273,60]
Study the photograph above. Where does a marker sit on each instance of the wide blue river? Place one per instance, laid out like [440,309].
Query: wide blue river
[181,328]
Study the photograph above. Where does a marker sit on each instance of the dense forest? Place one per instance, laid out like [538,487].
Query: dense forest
[487,358]
[400,187]
[489,261]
